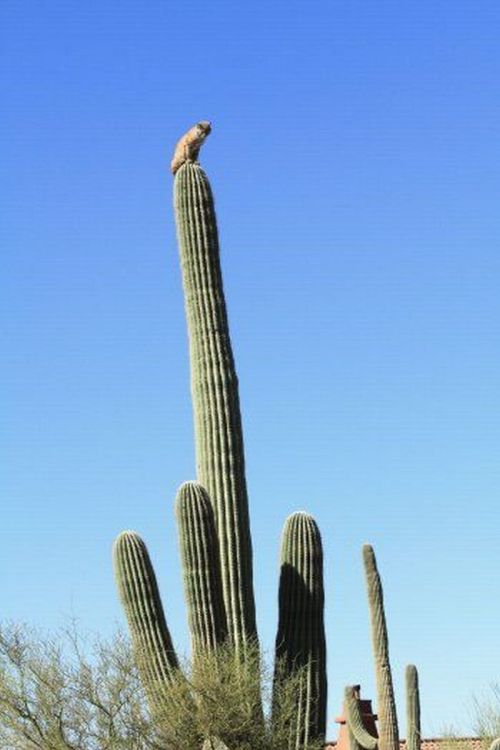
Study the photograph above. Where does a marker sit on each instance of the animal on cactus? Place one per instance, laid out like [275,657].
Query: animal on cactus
[214,533]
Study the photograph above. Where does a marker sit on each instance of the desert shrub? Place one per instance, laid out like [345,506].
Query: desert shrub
[70,692]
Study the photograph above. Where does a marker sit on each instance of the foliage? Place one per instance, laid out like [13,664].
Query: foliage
[68,692]
[486,713]
[217,698]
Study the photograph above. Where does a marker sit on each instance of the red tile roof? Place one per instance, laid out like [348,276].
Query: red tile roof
[439,743]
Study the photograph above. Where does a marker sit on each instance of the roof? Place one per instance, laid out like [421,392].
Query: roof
[438,743]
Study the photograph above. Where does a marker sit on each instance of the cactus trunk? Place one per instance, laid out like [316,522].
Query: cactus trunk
[300,641]
[214,385]
[413,734]
[386,705]
[201,568]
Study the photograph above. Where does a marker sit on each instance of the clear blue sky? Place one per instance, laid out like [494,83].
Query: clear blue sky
[355,162]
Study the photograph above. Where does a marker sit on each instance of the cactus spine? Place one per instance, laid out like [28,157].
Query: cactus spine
[201,568]
[300,641]
[214,386]
[386,705]
[412,708]
[138,590]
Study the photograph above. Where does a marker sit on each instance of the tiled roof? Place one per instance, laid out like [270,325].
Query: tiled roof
[438,743]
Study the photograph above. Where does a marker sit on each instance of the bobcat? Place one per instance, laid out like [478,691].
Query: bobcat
[188,147]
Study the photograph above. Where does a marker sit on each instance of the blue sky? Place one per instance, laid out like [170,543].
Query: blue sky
[355,163]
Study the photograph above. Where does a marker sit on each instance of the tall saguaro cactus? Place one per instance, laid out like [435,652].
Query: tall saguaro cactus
[300,640]
[386,705]
[214,385]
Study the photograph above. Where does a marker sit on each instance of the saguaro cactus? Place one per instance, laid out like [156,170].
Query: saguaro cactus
[201,569]
[214,385]
[141,601]
[214,526]
[413,735]
[214,532]
[300,641]
[386,705]
[359,737]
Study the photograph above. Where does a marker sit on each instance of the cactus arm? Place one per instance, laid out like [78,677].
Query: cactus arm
[353,743]
[201,567]
[151,641]
[413,733]
[386,705]
[214,385]
[300,640]
[355,721]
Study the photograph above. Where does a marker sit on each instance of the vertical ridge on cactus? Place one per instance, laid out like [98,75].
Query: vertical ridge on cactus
[201,567]
[151,640]
[300,640]
[214,385]
[386,705]
[413,733]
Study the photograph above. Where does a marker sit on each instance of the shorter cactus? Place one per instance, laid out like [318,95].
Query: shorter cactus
[359,737]
[355,723]
[300,641]
[151,641]
[201,567]
[386,705]
[413,733]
